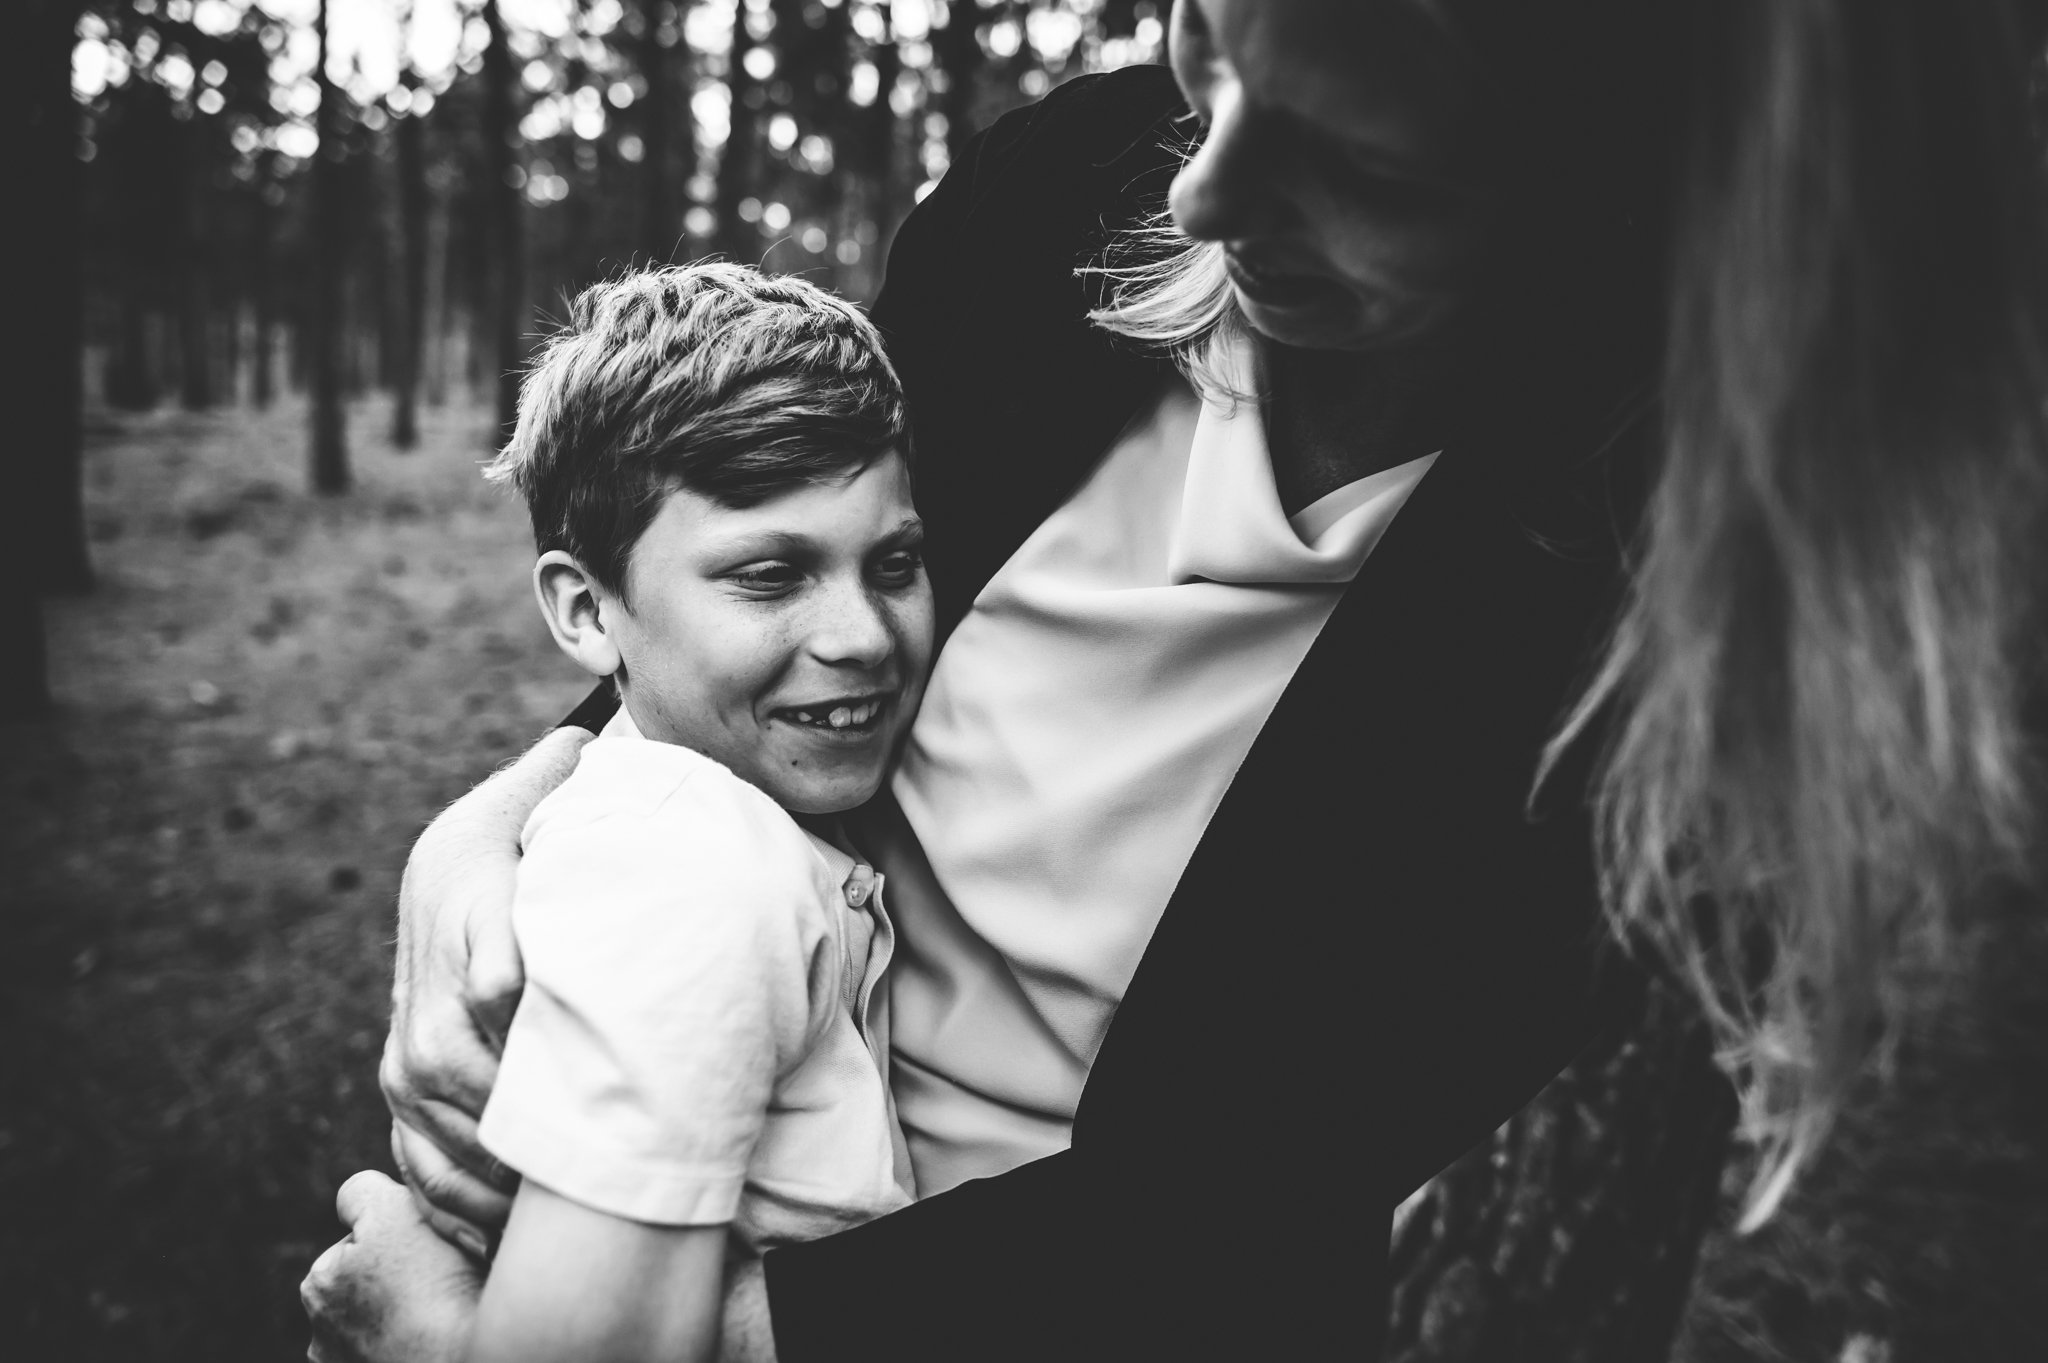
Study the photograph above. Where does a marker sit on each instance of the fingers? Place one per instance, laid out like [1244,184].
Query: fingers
[329,1309]
[512,792]
[450,1126]
[464,861]
[461,1206]
[361,1193]
[391,1292]
[459,973]
[456,991]
[481,1246]
[471,1239]
[496,974]
[436,1070]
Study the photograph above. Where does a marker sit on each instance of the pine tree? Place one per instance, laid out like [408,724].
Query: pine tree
[738,164]
[504,187]
[330,439]
[657,197]
[412,300]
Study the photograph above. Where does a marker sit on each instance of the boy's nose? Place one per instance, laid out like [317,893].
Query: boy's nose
[852,629]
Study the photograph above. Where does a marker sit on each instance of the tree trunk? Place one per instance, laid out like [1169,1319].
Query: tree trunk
[47,435]
[42,517]
[1571,1236]
[880,161]
[434,359]
[506,188]
[330,448]
[737,238]
[230,325]
[472,243]
[657,196]
[261,390]
[24,667]
[131,383]
[960,56]
[195,349]
[379,283]
[412,303]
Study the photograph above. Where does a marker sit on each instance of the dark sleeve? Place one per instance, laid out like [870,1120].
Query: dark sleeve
[1234,1219]
[595,710]
[1013,392]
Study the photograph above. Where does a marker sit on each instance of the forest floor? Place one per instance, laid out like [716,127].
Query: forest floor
[267,697]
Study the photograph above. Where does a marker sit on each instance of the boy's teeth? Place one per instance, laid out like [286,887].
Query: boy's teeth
[839,716]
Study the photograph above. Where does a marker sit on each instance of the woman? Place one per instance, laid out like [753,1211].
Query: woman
[1440,227]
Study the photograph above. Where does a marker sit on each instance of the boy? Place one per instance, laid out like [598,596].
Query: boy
[714,462]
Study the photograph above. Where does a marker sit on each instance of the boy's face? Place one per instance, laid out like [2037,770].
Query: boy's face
[788,640]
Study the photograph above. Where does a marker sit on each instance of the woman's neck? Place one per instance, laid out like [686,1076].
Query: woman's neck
[1334,416]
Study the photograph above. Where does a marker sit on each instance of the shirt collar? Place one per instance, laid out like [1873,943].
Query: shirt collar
[1232,528]
[620,725]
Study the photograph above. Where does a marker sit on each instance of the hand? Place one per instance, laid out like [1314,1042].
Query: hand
[391,1291]
[458,981]
[748,1335]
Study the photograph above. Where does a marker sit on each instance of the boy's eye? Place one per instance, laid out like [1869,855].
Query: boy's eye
[899,569]
[766,578]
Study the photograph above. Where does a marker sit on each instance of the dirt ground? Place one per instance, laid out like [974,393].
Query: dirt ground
[262,704]
[270,694]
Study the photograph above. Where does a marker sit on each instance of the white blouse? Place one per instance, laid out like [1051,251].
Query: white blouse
[1080,729]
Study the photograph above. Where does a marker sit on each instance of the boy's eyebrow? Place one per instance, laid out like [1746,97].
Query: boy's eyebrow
[760,542]
[908,526]
[785,541]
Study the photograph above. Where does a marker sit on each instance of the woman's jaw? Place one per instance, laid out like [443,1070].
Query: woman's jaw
[1322,310]
[1348,206]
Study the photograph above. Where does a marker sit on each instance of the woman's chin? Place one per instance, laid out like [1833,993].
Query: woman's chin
[1345,321]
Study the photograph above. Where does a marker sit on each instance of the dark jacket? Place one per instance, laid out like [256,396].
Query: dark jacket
[1376,955]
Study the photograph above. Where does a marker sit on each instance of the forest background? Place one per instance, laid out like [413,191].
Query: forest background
[279,264]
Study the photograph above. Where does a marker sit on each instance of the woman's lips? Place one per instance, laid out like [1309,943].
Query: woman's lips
[1272,287]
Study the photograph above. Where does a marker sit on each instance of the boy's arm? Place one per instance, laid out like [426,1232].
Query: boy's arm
[391,1291]
[571,1283]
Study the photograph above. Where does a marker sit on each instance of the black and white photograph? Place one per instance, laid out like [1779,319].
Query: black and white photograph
[1026,681]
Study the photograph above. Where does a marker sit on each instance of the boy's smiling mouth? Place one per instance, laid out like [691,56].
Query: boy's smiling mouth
[850,715]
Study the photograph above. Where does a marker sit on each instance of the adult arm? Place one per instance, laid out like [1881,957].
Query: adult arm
[457,983]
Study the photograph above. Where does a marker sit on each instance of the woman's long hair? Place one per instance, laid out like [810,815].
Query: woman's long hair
[1813,699]
[1815,692]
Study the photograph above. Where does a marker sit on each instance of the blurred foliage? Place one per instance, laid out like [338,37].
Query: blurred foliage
[789,133]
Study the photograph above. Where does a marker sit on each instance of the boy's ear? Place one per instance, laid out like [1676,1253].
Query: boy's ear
[570,601]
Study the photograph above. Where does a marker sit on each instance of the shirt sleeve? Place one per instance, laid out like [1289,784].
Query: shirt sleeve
[670,956]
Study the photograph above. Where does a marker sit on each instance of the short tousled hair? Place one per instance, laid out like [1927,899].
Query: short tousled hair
[712,377]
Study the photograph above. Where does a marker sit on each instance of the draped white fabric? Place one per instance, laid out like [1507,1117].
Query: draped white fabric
[1082,725]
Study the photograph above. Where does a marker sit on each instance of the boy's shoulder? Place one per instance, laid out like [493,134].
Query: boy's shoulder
[671,801]
[633,776]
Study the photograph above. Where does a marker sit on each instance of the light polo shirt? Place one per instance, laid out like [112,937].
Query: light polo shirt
[690,1049]
[1080,728]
